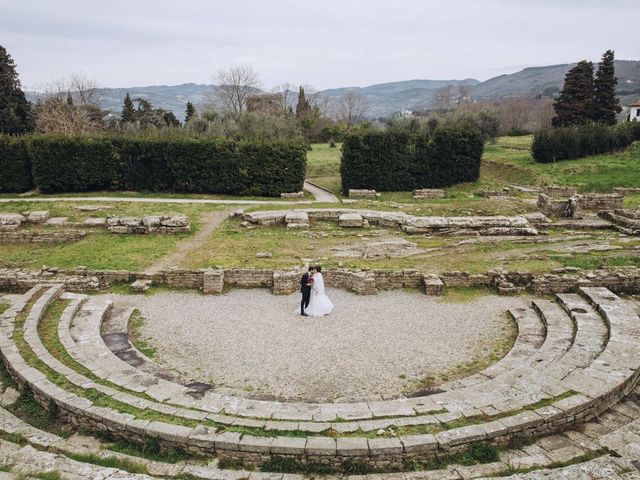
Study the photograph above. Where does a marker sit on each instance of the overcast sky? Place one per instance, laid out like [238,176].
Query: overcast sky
[324,43]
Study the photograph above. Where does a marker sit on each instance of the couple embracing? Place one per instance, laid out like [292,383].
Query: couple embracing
[314,301]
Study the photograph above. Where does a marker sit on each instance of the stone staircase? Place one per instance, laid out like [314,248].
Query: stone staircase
[572,363]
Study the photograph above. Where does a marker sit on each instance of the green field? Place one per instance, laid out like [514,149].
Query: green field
[508,161]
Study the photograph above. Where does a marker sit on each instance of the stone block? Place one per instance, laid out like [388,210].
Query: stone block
[152,221]
[39,216]
[118,229]
[350,220]
[362,193]
[213,281]
[433,286]
[426,193]
[297,219]
[141,285]
[57,221]
[95,222]
[175,221]
[292,195]
[11,220]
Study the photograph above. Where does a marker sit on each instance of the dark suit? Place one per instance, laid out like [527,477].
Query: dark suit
[306,292]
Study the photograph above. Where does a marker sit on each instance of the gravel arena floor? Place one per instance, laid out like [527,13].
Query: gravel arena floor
[251,340]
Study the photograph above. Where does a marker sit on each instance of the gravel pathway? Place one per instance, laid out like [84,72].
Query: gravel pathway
[370,345]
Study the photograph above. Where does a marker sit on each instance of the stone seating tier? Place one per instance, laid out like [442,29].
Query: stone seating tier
[599,368]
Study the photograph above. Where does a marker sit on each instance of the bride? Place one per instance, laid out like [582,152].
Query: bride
[319,304]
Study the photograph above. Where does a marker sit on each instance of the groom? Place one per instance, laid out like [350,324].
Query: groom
[305,289]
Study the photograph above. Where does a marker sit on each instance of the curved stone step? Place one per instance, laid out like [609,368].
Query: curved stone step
[558,416]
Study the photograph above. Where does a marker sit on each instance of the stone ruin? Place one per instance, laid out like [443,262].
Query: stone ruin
[626,220]
[292,195]
[575,205]
[488,225]
[10,224]
[163,224]
[427,193]
[362,193]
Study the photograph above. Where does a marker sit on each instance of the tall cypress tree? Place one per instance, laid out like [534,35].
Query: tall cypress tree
[15,111]
[606,105]
[303,107]
[189,112]
[574,105]
[128,112]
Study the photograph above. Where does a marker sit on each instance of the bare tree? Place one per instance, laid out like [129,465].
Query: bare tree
[70,106]
[286,96]
[235,85]
[444,98]
[351,109]
[463,93]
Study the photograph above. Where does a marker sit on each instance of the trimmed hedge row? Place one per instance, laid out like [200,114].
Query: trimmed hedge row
[575,142]
[75,164]
[15,165]
[400,161]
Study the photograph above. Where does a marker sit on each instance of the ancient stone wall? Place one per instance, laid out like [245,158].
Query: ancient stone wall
[30,236]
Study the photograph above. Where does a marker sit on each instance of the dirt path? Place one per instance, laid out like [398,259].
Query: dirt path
[210,221]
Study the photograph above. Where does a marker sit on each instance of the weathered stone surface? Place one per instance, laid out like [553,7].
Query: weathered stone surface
[141,285]
[297,219]
[11,221]
[292,195]
[57,221]
[38,216]
[362,193]
[95,222]
[427,193]
[433,285]
[350,220]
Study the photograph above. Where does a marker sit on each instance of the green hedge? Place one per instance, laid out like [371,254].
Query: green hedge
[75,164]
[15,165]
[401,161]
[551,145]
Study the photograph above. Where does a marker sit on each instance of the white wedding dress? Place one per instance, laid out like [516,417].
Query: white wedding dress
[319,305]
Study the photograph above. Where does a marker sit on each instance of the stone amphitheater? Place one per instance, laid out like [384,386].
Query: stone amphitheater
[563,403]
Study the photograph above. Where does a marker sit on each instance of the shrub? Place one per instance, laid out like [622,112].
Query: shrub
[72,164]
[398,160]
[15,165]
[202,165]
[550,145]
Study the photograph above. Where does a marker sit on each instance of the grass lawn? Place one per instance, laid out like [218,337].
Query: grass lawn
[99,249]
[323,166]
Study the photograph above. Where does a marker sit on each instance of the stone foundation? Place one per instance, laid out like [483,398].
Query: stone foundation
[363,282]
[292,195]
[152,224]
[362,193]
[427,193]
[30,236]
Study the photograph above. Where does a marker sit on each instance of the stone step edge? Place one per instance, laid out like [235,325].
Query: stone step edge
[320,446]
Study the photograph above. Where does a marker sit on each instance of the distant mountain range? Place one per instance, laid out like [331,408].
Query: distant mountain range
[388,98]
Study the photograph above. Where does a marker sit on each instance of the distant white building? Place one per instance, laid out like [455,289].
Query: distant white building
[404,113]
[634,111]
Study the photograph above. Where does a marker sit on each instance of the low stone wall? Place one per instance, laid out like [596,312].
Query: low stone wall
[30,236]
[427,193]
[574,206]
[356,218]
[560,191]
[362,193]
[626,190]
[601,201]
[363,282]
[292,195]
[626,220]
[151,224]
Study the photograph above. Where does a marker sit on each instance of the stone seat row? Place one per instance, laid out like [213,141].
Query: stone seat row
[92,352]
[603,385]
[618,430]
[492,390]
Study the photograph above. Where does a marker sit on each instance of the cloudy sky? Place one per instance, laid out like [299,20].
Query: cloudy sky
[324,43]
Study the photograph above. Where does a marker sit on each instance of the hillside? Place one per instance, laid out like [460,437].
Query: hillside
[388,98]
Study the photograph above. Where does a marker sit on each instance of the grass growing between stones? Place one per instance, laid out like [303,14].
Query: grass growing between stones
[136,322]
[592,455]
[126,464]
[3,307]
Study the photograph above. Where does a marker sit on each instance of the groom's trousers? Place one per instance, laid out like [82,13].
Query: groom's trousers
[306,296]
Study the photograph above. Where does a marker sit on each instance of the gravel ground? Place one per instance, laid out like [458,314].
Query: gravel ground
[370,345]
